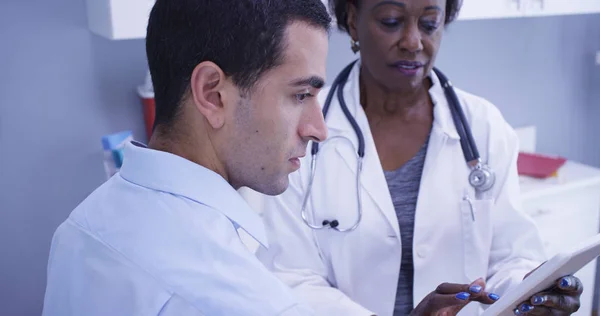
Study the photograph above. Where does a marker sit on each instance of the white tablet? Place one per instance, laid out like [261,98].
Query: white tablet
[562,264]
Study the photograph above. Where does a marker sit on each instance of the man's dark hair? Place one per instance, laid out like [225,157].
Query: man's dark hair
[340,8]
[243,37]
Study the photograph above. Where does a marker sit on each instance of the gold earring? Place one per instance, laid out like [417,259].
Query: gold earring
[354,45]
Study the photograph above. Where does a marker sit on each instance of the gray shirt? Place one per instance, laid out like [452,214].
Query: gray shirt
[403,184]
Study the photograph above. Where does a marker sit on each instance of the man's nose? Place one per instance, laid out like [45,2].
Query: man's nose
[313,125]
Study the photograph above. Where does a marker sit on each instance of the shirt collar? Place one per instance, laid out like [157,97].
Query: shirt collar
[166,172]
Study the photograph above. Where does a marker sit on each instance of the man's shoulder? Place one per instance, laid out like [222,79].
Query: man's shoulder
[146,225]
[182,246]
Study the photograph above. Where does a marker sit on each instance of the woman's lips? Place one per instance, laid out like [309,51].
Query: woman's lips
[407,67]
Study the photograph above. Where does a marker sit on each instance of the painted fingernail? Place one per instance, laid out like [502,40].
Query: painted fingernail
[493,296]
[463,296]
[565,282]
[475,288]
[526,308]
[539,300]
[518,312]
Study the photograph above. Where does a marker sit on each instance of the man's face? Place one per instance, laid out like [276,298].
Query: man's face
[272,126]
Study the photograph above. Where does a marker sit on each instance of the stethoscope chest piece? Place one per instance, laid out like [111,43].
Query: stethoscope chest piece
[482,178]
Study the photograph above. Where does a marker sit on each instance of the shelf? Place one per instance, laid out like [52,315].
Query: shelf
[571,176]
[119,19]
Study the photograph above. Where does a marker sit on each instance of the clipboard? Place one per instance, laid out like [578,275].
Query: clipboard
[562,264]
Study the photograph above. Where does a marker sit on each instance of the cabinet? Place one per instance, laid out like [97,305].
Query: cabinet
[490,9]
[493,9]
[566,210]
[119,19]
[558,7]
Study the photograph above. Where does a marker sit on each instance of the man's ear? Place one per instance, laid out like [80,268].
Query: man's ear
[207,85]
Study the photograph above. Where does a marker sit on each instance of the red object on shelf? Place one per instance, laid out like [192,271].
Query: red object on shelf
[146,93]
[148,104]
[538,165]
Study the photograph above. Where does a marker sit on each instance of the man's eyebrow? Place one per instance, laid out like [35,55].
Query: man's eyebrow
[313,81]
[434,7]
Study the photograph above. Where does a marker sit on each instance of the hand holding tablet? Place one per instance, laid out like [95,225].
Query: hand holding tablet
[451,298]
[562,298]
[550,289]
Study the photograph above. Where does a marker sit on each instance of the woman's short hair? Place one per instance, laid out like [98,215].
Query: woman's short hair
[340,9]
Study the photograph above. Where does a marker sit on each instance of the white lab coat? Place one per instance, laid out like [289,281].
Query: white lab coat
[356,273]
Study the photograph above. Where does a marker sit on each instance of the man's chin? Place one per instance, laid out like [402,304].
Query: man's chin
[274,187]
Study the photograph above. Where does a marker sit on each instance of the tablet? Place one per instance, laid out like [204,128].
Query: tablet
[562,264]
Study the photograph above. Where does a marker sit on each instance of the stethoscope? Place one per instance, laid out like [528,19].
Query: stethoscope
[481,177]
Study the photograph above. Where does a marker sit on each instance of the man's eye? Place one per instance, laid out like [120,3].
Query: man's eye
[303,96]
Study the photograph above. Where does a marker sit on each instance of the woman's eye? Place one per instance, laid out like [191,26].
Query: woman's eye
[430,26]
[303,96]
[390,22]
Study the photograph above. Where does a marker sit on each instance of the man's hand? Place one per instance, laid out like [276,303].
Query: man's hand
[448,299]
[560,299]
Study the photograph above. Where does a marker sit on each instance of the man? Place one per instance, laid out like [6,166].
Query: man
[234,83]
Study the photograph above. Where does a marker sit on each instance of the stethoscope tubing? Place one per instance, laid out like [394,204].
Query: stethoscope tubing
[467,142]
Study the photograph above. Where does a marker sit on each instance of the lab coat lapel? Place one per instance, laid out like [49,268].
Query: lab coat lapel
[372,177]
[433,183]
[443,127]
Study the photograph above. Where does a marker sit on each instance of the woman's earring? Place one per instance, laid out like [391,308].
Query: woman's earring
[355,46]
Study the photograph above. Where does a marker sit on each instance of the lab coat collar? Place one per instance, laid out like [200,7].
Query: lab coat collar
[172,174]
[442,117]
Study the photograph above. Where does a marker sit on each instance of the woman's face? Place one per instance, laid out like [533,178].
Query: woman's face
[399,39]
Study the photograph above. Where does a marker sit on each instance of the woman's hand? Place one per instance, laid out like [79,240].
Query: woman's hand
[560,299]
[448,299]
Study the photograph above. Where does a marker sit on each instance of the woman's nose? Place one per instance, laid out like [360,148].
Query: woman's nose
[410,40]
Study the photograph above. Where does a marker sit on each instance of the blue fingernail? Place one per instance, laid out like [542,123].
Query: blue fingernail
[518,312]
[538,300]
[463,296]
[494,297]
[475,288]
[526,308]
[565,282]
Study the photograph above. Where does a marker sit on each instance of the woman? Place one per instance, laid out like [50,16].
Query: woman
[422,224]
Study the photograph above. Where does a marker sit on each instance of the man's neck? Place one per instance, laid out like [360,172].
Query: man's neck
[190,148]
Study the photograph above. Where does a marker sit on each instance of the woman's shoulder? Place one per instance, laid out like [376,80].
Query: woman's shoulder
[487,121]
[478,107]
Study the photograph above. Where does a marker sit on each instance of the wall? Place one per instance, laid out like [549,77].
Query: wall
[62,88]
[593,104]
